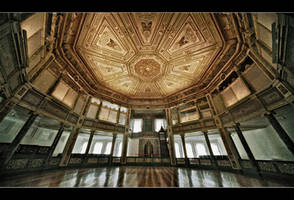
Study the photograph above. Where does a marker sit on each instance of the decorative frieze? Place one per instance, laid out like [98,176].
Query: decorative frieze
[54,161]
[286,168]
[35,163]
[17,163]
[246,164]
[266,166]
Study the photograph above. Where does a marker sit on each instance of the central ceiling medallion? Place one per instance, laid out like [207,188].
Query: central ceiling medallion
[147,68]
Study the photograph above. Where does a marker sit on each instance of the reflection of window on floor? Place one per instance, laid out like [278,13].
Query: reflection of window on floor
[189,151]
[200,148]
[97,148]
[215,149]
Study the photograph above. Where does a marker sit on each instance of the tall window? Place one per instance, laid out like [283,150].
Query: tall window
[215,149]
[61,143]
[200,148]
[137,125]
[81,143]
[84,147]
[117,149]
[98,148]
[177,150]
[159,123]
[108,148]
[189,150]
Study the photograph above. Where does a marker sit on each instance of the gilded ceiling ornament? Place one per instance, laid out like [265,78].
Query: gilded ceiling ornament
[147,68]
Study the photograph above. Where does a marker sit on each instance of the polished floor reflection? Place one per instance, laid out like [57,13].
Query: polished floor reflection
[131,176]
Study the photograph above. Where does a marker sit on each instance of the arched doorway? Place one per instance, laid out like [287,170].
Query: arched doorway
[148,149]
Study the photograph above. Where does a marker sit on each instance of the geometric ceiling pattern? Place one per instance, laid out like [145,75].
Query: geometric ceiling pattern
[148,55]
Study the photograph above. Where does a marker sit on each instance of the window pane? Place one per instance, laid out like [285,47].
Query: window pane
[39,133]
[97,148]
[200,148]
[177,150]
[137,125]
[216,140]
[108,148]
[80,144]
[95,100]
[215,150]
[61,143]
[190,153]
[160,123]
[118,146]
[12,123]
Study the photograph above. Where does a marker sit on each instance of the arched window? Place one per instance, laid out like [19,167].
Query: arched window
[97,148]
[215,149]
[200,148]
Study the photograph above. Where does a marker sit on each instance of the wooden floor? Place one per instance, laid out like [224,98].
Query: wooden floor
[131,176]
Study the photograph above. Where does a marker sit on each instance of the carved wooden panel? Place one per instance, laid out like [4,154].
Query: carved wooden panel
[256,78]
[286,168]
[32,98]
[17,163]
[266,166]
[35,163]
[55,109]
[270,96]
[248,108]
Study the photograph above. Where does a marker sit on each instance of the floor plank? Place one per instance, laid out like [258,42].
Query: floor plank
[132,176]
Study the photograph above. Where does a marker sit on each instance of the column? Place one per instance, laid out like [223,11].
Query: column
[212,158]
[53,146]
[69,146]
[124,148]
[112,147]
[88,147]
[73,136]
[280,131]
[7,155]
[230,148]
[125,139]
[170,137]
[187,163]
[245,145]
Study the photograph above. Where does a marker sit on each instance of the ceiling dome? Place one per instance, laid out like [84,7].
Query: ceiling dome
[146,56]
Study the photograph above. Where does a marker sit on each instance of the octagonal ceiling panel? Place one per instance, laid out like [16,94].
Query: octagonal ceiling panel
[148,55]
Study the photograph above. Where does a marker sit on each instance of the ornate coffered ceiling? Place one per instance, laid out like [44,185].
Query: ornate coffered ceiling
[137,56]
